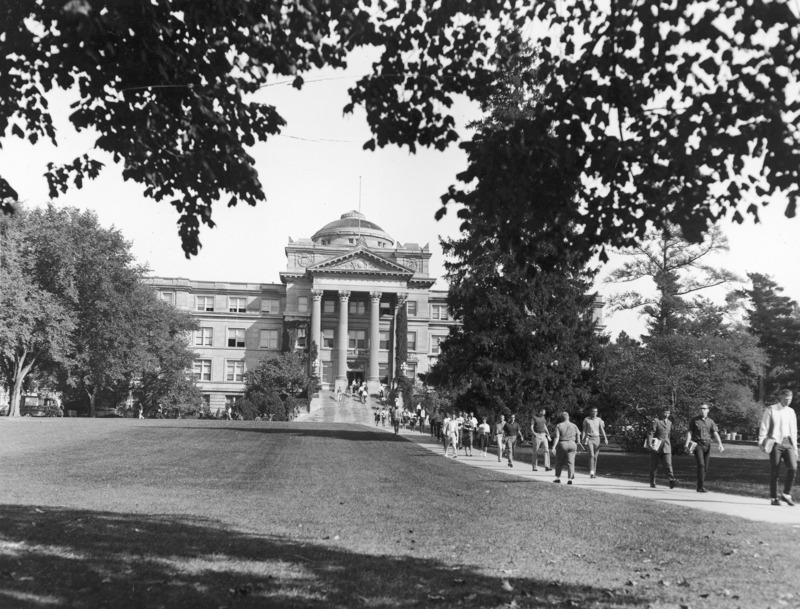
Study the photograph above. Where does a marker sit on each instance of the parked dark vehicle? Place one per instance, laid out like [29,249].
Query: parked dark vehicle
[33,405]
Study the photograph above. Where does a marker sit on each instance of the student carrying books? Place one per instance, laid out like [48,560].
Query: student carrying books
[660,447]
[701,430]
[777,436]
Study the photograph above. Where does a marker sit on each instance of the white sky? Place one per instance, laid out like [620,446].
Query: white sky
[311,177]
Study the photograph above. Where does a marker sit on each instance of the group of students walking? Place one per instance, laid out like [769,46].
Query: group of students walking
[462,431]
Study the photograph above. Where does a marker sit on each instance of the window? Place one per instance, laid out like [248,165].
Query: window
[202,370]
[236,337]
[411,341]
[234,370]
[357,339]
[436,341]
[438,311]
[327,373]
[204,337]
[232,401]
[329,306]
[411,308]
[358,307]
[268,339]
[271,306]
[237,304]
[384,344]
[205,303]
[386,308]
[302,304]
[301,338]
[327,338]
[411,371]
[168,297]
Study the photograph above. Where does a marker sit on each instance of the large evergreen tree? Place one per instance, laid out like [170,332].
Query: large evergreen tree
[525,337]
[775,320]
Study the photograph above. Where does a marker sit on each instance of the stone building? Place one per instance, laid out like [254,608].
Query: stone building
[341,291]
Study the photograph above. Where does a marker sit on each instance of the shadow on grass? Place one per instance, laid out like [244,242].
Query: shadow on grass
[80,558]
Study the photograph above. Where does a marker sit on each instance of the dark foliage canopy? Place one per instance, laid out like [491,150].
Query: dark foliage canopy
[168,86]
[652,112]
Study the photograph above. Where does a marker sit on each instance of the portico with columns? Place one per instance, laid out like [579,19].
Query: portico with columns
[355,278]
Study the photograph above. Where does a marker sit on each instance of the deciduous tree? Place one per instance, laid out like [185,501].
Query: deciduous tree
[36,320]
[680,371]
[646,108]
[650,113]
[171,88]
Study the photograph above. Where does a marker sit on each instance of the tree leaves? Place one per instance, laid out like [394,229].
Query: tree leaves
[168,88]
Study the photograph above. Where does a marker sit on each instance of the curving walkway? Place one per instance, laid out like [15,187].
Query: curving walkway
[751,508]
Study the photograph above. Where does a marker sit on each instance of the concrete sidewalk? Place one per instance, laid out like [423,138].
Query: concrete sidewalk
[751,508]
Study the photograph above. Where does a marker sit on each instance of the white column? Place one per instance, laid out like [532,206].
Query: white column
[373,380]
[341,341]
[316,324]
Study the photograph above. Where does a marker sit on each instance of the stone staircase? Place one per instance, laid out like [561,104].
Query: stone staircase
[325,409]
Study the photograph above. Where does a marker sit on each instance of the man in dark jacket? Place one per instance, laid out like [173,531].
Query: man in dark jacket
[661,448]
[512,431]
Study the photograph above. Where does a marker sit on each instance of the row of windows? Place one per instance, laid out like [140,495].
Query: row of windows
[236,304]
[234,370]
[270,339]
[272,306]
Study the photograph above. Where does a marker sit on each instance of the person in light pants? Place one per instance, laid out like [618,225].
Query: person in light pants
[779,425]
[593,426]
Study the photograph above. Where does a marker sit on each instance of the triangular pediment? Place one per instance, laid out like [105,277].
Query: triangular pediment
[360,261]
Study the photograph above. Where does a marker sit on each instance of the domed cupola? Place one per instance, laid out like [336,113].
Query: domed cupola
[350,229]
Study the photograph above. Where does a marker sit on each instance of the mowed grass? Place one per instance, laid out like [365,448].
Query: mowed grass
[124,513]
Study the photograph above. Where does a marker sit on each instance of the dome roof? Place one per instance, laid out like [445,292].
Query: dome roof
[347,229]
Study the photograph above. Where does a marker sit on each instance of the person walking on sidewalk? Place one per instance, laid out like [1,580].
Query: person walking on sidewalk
[593,426]
[661,449]
[397,415]
[701,431]
[499,431]
[512,431]
[541,437]
[451,435]
[483,436]
[777,436]
[565,446]
[467,433]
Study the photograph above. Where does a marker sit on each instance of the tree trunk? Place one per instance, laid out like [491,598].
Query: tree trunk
[92,402]
[20,372]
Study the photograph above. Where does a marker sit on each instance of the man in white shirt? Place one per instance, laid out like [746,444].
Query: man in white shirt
[779,425]
[451,435]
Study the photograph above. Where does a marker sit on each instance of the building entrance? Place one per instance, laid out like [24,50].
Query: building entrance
[355,375]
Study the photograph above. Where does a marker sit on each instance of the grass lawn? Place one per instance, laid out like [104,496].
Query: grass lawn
[127,513]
